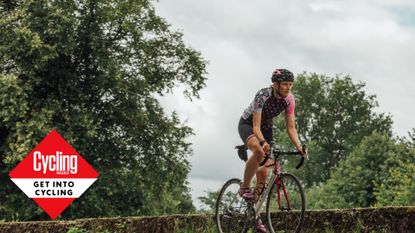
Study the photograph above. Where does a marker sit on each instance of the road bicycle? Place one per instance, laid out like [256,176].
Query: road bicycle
[285,201]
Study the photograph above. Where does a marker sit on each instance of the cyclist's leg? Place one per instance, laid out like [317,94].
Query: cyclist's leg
[253,162]
[247,135]
[262,172]
[261,176]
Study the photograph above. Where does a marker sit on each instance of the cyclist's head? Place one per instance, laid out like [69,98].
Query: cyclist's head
[280,75]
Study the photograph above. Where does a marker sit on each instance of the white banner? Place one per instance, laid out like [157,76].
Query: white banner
[53,188]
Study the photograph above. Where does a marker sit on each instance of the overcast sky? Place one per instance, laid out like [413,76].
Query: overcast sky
[372,41]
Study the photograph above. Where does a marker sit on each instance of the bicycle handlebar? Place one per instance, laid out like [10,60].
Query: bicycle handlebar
[277,153]
[244,156]
[300,163]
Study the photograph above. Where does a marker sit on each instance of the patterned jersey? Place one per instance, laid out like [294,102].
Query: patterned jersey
[269,106]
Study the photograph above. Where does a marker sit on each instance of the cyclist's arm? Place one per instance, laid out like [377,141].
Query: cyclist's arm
[256,127]
[292,131]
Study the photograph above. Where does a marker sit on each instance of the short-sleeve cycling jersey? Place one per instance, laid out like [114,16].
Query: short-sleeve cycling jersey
[269,106]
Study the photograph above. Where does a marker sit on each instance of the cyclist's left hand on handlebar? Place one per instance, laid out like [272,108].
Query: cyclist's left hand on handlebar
[303,150]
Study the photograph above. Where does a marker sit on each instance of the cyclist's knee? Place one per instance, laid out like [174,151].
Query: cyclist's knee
[254,146]
[259,154]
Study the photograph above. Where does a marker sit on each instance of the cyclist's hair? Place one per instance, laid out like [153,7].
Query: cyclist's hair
[282,75]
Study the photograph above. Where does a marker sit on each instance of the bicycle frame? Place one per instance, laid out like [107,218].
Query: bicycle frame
[273,176]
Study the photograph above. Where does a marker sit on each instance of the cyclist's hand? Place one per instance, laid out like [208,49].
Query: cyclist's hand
[266,147]
[303,150]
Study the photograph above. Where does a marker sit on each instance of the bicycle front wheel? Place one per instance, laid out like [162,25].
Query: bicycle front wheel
[232,211]
[285,206]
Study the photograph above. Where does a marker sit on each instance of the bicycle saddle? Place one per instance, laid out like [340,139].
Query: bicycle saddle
[242,152]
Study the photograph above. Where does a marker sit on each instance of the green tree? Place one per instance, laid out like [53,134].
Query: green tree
[92,69]
[399,188]
[411,139]
[210,199]
[333,115]
[354,182]
[398,185]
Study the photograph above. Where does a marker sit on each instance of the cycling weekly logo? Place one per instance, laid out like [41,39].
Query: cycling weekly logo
[53,174]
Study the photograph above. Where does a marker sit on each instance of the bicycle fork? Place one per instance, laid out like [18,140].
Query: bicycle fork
[280,183]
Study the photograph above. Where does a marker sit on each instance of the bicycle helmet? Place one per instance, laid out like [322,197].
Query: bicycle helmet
[280,75]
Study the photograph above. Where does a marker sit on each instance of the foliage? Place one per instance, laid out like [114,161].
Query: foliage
[333,115]
[210,199]
[398,186]
[92,70]
[399,189]
[364,178]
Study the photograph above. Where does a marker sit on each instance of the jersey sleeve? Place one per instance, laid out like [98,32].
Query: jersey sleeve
[259,100]
[290,105]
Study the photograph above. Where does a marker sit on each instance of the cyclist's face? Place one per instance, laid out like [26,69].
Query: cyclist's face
[285,87]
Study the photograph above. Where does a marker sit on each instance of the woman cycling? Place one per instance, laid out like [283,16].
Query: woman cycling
[255,128]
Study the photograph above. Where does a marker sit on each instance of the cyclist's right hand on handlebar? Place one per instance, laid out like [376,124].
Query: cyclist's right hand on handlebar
[266,147]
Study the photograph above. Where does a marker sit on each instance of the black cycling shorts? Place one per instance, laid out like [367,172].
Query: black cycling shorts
[246,132]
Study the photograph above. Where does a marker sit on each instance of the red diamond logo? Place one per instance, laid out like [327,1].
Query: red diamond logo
[53,174]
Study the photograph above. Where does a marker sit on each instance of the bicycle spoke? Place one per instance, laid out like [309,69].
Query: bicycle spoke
[232,212]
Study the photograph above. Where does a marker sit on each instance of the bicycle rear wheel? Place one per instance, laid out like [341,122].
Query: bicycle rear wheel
[232,214]
[286,213]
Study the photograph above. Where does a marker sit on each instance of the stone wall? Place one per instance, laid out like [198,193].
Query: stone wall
[389,219]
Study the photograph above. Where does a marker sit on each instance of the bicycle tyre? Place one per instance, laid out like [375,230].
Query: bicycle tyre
[290,219]
[230,218]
